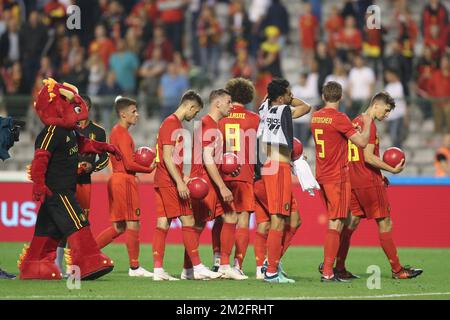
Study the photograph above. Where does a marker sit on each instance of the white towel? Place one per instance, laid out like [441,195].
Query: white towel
[305,176]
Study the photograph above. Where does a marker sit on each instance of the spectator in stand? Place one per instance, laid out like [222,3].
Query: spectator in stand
[348,42]
[269,57]
[209,33]
[75,49]
[425,68]
[395,60]
[125,64]
[10,49]
[397,119]
[181,63]
[160,40]
[434,13]
[436,41]
[324,63]
[256,13]
[33,37]
[334,24]
[373,46]
[277,15]
[242,66]
[97,72]
[172,17]
[442,161]
[309,32]
[173,85]
[110,87]
[13,81]
[440,91]
[361,85]
[102,45]
[195,7]
[55,13]
[133,41]
[239,26]
[148,7]
[114,20]
[340,76]
[79,74]
[306,88]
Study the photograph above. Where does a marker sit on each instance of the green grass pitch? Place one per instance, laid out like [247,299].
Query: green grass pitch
[300,262]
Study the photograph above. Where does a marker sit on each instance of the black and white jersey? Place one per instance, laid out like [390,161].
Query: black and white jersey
[276,126]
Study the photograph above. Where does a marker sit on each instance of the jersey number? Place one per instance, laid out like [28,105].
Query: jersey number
[320,142]
[353,153]
[157,151]
[232,137]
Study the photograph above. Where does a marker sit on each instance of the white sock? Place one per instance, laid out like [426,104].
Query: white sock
[258,269]
[236,264]
[158,270]
[224,266]
[59,258]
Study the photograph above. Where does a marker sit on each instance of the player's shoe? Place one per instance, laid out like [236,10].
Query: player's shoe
[140,272]
[282,276]
[333,278]
[216,263]
[259,274]
[231,273]
[343,275]
[277,278]
[161,275]
[187,274]
[201,272]
[264,266]
[407,272]
[6,275]
[237,269]
[281,270]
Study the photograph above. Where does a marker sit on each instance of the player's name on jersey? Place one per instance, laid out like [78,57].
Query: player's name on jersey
[322,120]
[237,115]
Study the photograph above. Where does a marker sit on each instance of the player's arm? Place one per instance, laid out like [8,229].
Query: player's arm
[375,161]
[124,145]
[103,159]
[86,145]
[362,138]
[299,108]
[443,161]
[213,172]
[183,191]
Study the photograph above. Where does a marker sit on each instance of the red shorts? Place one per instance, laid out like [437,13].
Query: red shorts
[211,207]
[123,198]
[337,199]
[279,188]
[83,196]
[370,203]
[243,197]
[261,207]
[170,205]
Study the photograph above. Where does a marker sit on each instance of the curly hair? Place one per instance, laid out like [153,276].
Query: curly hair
[242,90]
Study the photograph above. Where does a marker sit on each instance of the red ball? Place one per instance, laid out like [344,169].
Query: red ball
[144,156]
[198,188]
[297,150]
[230,163]
[393,156]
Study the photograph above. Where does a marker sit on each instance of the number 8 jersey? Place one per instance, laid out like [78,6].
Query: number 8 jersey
[331,130]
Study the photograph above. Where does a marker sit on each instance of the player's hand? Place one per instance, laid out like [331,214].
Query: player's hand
[236,172]
[40,192]
[226,194]
[187,179]
[399,168]
[367,120]
[183,190]
[357,127]
[115,151]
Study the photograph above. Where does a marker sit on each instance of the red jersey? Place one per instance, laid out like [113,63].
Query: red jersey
[170,133]
[239,134]
[331,130]
[308,25]
[209,136]
[121,138]
[363,174]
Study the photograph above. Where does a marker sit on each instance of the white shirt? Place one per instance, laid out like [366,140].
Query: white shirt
[395,89]
[360,82]
[257,9]
[308,93]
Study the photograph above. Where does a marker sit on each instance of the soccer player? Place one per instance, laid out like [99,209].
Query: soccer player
[369,198]
[331,130]
[239,132]
[87,164]
[207,156]
[123,193]
[172,194]
[275,132]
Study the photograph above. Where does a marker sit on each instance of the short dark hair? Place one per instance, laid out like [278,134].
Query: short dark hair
[191,95]
[123,103]
[87,100]
[332,91]
[218,93]
[242,90]
[277,88]
[384,97]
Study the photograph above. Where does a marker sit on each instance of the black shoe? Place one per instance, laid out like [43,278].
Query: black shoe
[334,278]
[215,268]
[343,274]
[6,275]
[320,268]
[407,272]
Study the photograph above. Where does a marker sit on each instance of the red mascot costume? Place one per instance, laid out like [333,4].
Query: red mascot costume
[54,175]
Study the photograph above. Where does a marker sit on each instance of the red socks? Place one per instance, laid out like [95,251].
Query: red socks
[106,237]
[289,233]
[227,237]
[274,248]
[242,239]
[330,251]
[159,246]
[190,239]
[344,245]
[389,248]
[187,260]
[132,238]
[215,235]
[260,247]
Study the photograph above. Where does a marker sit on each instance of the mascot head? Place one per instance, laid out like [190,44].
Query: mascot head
[60,105]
